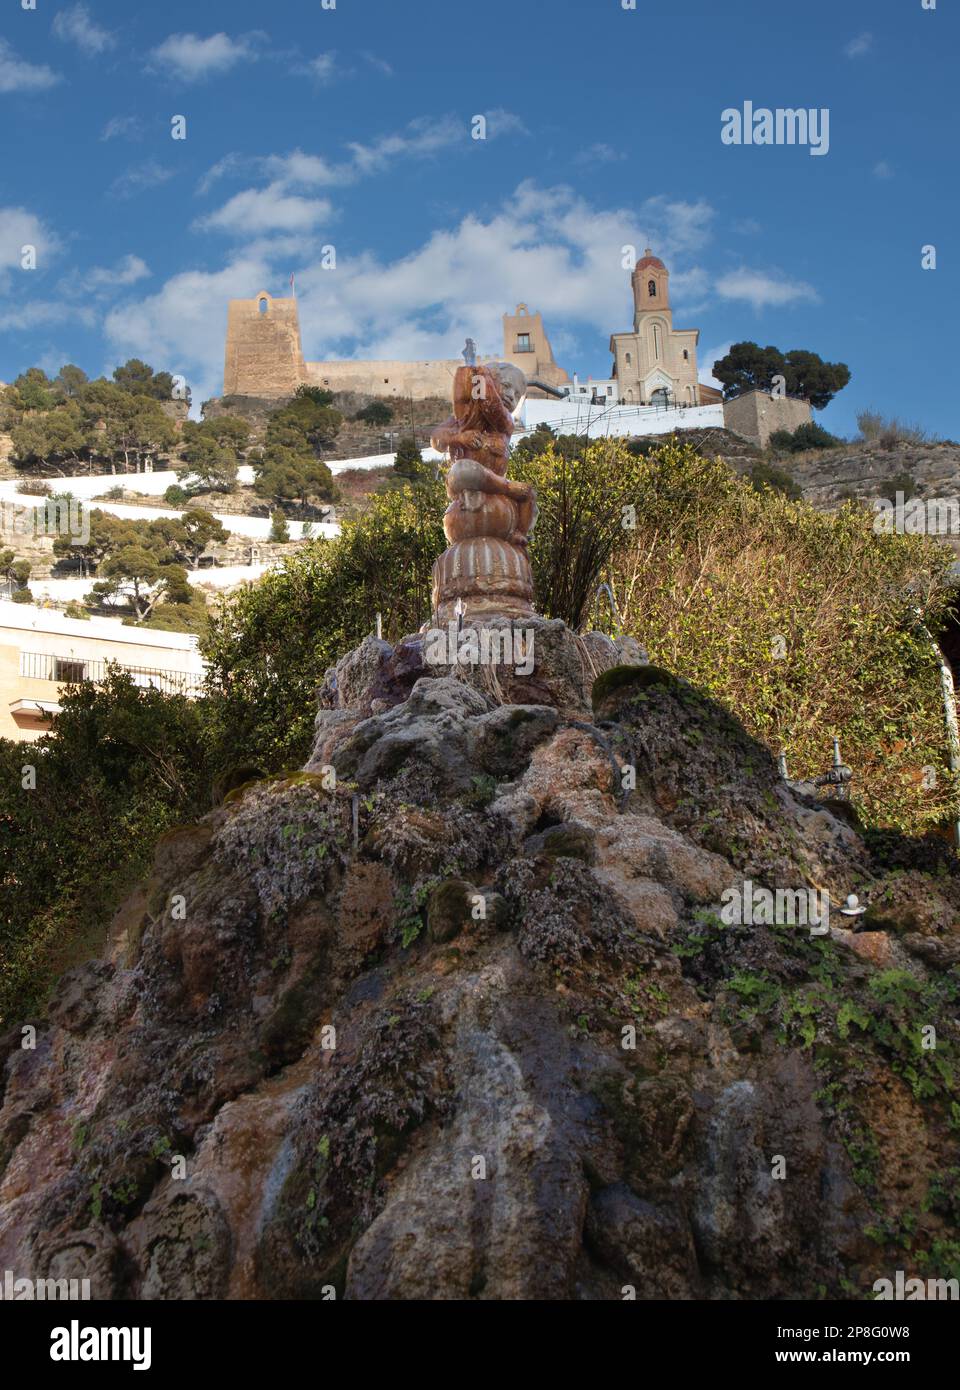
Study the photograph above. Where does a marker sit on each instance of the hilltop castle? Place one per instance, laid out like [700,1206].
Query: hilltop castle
[264,357]
[655,363]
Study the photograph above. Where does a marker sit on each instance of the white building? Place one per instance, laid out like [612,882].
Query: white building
[598,392]
[41,651]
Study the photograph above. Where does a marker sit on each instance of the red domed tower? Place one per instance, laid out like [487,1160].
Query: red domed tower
[651,286]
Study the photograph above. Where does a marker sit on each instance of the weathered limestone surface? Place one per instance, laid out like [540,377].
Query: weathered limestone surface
[347,1159]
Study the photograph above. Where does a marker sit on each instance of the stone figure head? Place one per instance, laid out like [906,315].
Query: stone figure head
[511,383]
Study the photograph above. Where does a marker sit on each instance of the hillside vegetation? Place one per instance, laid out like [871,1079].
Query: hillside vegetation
[801,625]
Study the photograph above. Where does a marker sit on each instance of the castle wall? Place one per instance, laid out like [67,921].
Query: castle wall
[756,415]
[386,378]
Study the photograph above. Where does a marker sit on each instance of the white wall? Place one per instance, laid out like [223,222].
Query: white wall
[257,527]
[213,577]
[47,630]
[599,421]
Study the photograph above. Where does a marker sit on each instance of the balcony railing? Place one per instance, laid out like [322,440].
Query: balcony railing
[71,670]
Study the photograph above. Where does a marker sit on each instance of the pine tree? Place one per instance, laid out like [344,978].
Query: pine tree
[409,460]
[279,530]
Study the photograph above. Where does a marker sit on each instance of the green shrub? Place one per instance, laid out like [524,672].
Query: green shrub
[889,431]
[715,572]
[769,475]
[709,574]
[376,413]
[900,482]
[409,460]
[279,529]
[317,394]
[269,645]
[806,436]
[121,765]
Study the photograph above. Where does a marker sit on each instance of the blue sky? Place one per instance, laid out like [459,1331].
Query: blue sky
[309,127]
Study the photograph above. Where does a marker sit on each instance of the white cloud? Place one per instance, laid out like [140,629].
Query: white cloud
[19,228]
[16,75]
[690,290]
[423,136]
[100,282]
[322,69]
[298,171]
[41,313]
[546,247]
[230,164]
[139,177]
[599,154]
[380,64]
[859,46]
[122,128]
[420,138]
[684,225]
[705,363]
[76,25]
[270,209]
[761,289]
[882,170]
[127,271]
[501,122]
[191,58]
[78,294]
[327,67]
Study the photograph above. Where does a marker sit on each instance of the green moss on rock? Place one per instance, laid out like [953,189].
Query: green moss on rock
[565,841]
[620,683]
[449,908]
[288,1030]
[234,779]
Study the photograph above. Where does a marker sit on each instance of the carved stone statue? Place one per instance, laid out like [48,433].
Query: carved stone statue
[485,571]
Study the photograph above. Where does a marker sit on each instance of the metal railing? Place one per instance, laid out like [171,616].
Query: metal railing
[600,411]
[72,670]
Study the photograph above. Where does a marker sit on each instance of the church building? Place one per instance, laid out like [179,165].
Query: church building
[656,364]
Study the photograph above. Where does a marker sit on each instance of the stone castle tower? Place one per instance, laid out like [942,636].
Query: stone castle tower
[526,345]
[264,355]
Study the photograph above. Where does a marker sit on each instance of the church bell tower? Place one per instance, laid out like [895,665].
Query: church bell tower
[651,288]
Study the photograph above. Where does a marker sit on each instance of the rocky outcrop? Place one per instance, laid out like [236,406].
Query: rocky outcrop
[877,469]
[868,471]
[455,1013]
